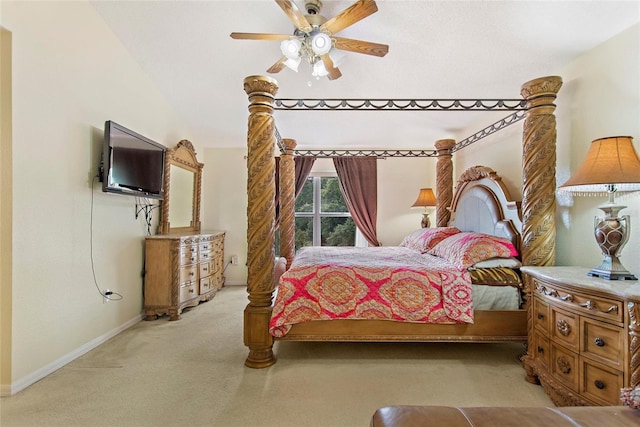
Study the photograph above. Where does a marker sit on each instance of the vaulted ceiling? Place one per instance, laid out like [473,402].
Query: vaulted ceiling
[437,49]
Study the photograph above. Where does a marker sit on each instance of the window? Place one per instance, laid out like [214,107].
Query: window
[321,215]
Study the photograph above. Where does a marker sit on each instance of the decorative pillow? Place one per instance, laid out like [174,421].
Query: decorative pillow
[426,238]
[498,262]
[630,396]
[467,248]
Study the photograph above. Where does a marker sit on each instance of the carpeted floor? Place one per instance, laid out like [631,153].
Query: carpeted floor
[191,373]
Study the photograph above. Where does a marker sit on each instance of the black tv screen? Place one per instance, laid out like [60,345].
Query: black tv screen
[132,164]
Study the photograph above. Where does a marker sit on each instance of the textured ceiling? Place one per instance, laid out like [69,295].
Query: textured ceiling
[437,49]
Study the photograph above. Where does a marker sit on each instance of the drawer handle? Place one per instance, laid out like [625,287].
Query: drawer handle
[192,273]
[599,384]
[553,293]
[540,316]
[540,349]
[599,342]
[193,258]
[564,365]
[563,327]
[590,305]
[205,256]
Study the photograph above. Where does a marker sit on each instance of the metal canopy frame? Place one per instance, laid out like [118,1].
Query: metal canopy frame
[517,105]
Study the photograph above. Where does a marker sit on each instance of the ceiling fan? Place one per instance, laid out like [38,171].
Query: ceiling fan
[314,37]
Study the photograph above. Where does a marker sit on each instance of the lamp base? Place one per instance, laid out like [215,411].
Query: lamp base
[612,233]
[611,275]
[425,223]
[611,269]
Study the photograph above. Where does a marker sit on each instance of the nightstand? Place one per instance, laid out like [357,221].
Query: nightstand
[583,335]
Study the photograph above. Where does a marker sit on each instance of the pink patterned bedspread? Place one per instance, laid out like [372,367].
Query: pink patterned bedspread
[390,282]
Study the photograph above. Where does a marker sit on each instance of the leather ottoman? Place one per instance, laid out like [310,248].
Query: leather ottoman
[447,416]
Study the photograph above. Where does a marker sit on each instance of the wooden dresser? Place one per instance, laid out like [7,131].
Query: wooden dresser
[181,270]
[584,335]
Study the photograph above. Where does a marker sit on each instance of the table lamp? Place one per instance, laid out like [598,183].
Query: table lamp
[426,198]
[611,166]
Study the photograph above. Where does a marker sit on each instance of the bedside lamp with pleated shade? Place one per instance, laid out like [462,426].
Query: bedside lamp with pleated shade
[426,198]
[611,166]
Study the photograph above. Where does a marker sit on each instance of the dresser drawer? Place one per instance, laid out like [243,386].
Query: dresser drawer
[188,254]
[600,383]
[590,305]
[205,255]
[205,269]
[205,285]
[565,328]
[188,273]
[541,315]
[602,342]
[188,291]
[541,348]
[565,367]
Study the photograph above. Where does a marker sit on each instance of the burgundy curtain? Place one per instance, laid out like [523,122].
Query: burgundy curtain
[358,178]
[303,167]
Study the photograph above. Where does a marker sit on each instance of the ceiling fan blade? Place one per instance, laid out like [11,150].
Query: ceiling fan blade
[354,13]
[334,72]
[259,36]
[360,46]
[295,15]
[278,66]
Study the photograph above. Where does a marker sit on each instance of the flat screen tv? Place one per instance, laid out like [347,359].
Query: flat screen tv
[131,164]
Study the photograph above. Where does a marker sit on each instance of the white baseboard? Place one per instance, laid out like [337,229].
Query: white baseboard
[24,382]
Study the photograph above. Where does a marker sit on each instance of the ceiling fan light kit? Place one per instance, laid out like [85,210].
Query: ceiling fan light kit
[313,38]
[321,43]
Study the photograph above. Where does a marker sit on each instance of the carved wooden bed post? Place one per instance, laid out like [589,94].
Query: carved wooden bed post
[287,200]
[538,187]
[539,171]
[261,141]
[444,181]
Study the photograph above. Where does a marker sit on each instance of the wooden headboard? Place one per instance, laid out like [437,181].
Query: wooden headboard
[482,203]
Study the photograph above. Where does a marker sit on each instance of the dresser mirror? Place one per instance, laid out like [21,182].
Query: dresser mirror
[182,187]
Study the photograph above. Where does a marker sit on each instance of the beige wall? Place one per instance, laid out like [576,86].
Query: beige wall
[5,208]
[224,205]
[70,75]
[600,97]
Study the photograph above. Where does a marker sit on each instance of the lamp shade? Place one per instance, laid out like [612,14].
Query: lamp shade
[320,43]
[290,48]
[609,161]
[425,198]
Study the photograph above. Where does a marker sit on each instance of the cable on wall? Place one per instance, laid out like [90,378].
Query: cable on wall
[110,295]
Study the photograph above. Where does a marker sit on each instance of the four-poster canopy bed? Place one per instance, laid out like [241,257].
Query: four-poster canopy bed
[480,204]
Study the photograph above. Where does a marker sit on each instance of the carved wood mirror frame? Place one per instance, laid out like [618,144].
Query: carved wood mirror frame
[181,157]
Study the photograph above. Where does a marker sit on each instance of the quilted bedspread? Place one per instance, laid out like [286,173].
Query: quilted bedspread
[391,282]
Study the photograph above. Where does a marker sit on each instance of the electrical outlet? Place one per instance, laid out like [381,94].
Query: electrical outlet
[106,296]
[234,259]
